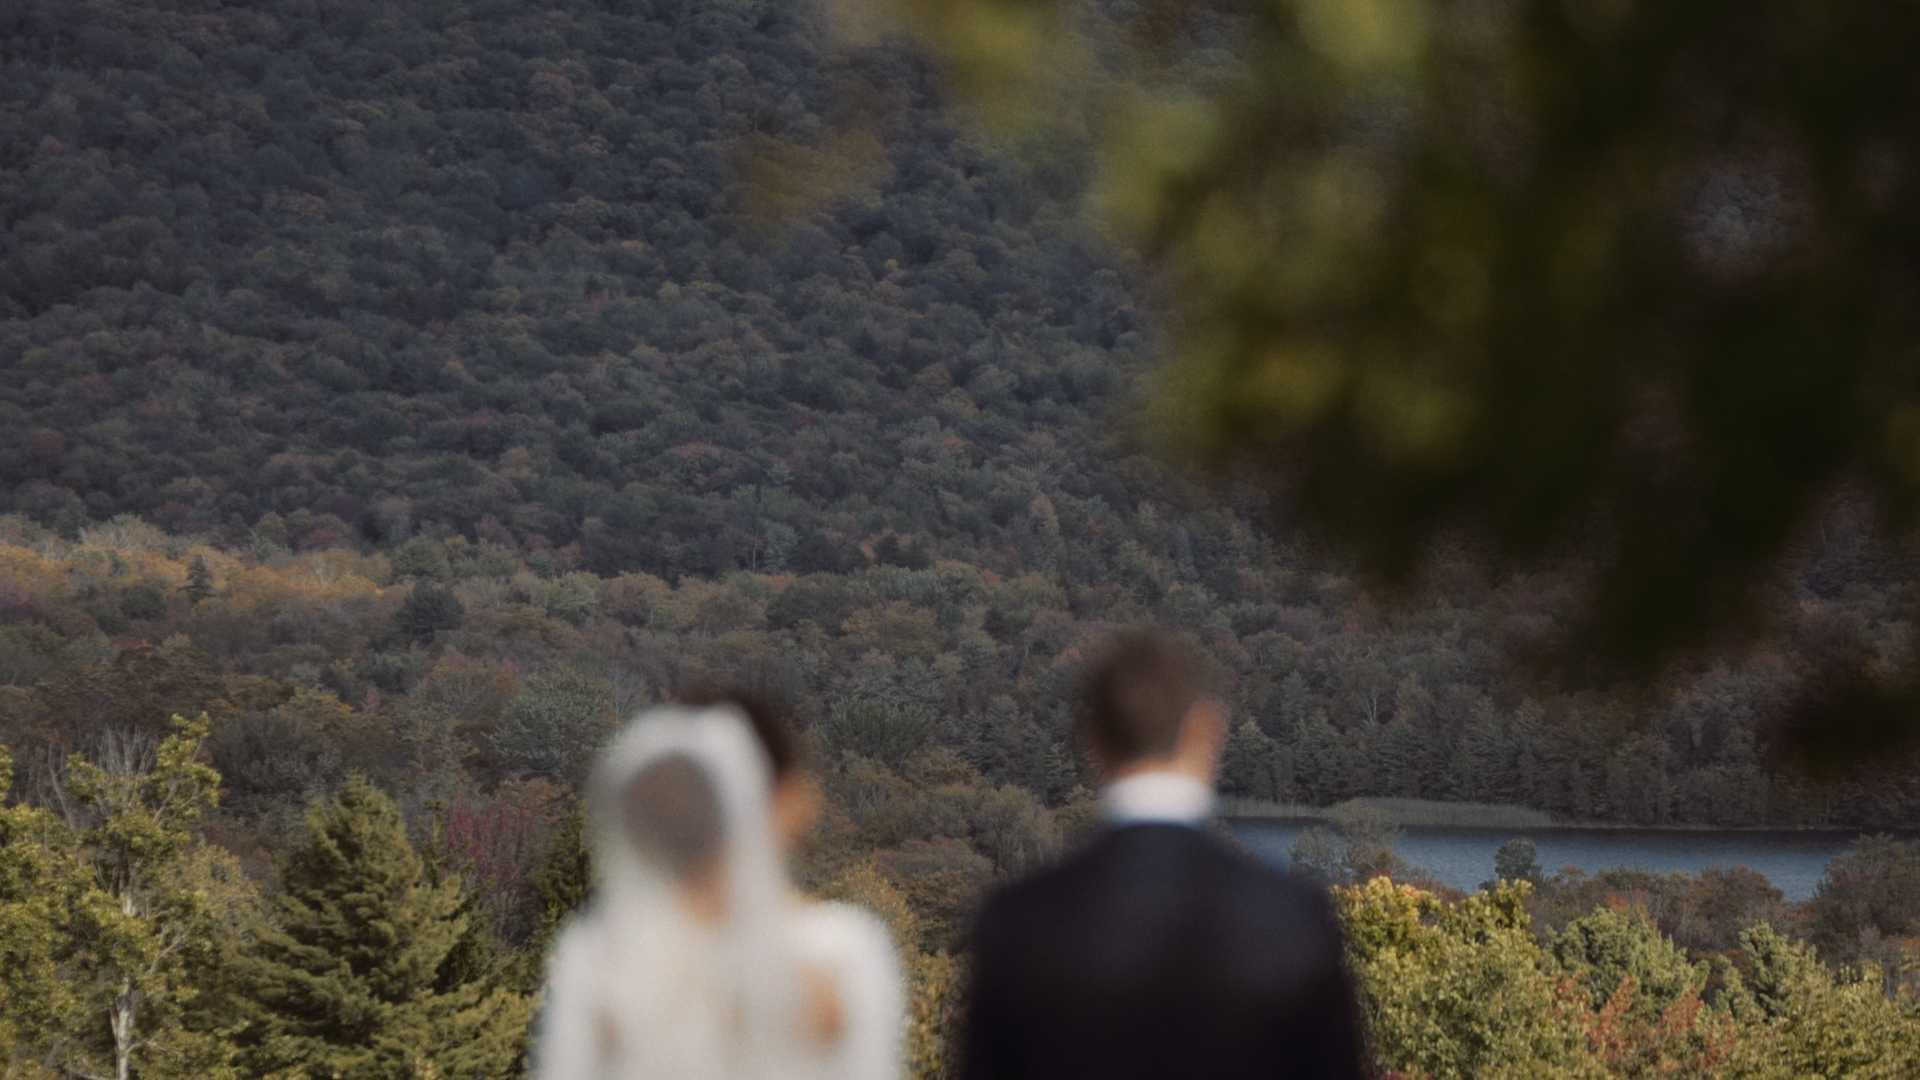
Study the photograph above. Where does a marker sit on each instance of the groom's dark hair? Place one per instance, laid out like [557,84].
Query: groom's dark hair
[1137,692]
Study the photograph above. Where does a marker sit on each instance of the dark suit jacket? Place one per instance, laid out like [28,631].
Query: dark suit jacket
[1160,952]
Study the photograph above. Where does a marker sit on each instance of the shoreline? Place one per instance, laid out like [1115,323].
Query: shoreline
[1431,814]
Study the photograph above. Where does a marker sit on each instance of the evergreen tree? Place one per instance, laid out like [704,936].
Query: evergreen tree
[1525,730]
[351,983]
[1410,743]
[1246,763]
[1399,753]
[565,876]
[1322,761]
[429,609]
[199,580]
[1296,700]
[1483,759]
[562,884]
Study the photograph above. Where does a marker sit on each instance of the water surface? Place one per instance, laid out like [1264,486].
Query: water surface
[1793,859]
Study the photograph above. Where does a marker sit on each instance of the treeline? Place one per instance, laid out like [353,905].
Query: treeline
[1696,757]
[447,666]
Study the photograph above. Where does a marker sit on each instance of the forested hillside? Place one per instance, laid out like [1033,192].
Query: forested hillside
[306,277]
[418,389]
[501,269]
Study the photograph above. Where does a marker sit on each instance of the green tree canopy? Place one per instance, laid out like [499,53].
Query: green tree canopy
[1610,946]
[555,723]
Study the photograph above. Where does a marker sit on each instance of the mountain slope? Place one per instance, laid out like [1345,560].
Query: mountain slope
[499,268]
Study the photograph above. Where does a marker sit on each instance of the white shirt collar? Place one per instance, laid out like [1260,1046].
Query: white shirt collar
[1157,796]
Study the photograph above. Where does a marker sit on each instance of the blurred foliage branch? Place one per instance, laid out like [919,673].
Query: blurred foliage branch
[1630,280]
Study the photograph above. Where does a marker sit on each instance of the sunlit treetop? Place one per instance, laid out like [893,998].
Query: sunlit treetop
[1632,279]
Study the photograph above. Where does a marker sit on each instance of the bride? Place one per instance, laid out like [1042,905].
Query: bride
[698,960]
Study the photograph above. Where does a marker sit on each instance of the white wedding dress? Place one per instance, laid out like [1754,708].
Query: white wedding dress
[763,986]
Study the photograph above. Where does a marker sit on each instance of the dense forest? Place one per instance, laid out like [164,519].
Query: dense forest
[402,394]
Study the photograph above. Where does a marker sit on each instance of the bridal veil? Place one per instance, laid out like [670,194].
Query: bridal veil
[695,959]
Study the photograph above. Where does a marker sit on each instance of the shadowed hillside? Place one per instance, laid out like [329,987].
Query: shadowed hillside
[499,268]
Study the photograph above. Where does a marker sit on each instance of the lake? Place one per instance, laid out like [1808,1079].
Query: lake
[1793,859]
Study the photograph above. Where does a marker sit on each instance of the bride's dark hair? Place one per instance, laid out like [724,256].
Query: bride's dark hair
[671,812]
[769,716]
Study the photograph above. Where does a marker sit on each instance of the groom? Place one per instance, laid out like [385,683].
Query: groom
[1158,951]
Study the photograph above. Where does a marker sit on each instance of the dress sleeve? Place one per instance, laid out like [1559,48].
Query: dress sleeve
[872,993]
[564,1046]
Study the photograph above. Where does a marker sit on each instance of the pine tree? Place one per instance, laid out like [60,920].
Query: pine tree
[1246,763]
[1322,761]
[1483,758]
[199,580]
[1296,701]
[351,983]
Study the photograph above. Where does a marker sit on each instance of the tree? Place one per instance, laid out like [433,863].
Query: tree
[429,609]
[1296,701]
[421,559]
[554,724]
[1247,763]
[144,925]
[1609,946]
[1872,888]
[888,732]
[1802,1020]
[144,601]
[561,884]
[1355,846]
[1323,761]
[352,977]
[199,584]
[1458,991]
[1517,860]
[1423,288]
[40,879]
[1723,902]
